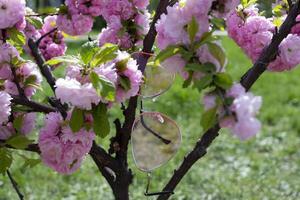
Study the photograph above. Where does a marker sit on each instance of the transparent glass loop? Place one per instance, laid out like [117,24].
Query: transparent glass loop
[155,140]
[157,81]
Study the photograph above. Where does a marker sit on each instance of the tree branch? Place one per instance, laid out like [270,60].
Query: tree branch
[36,107]
[46,72]
[142,60]
[15,185]
[45,69]
[267,56]
[270,52]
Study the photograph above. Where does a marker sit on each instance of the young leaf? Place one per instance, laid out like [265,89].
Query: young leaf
[16,36]
[101,124]
[217,52]
[192,29]
[188,81]
[63,59]
[19,142]
[88,51]
[208,119]
[31,163]
[30,80]
[205,68]
[36,22]
[167,53]
[125,83]
[5,160]
[104,87]
[204,82]
[223,80]
[77,120]
[107,53]
[18,122]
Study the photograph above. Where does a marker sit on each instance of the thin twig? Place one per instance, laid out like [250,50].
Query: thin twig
[36,107]
[45,35]
[15,185]
[42,14]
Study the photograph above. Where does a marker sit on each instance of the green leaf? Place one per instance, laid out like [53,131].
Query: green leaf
[188,81]
[223,80]
[204,82]
[63,59]
[19,142]
[101,124]
[77,120]
[125,83]
[167,53]
[217,52]
[36,22]
[122,65]
[206,37]
[31,163]
[205,68]
[16,36]
[107,53]
[218,23]
[5,160]
[208,119]
[192,29]
[104,87]
[88,51]
[30,80]
[18,122]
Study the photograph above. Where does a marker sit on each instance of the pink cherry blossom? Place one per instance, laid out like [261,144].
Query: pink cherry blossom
[76,24]
[11,12]
[53,44]
[221,8]
[61,149]
[5,102]
[132,73]
[73,92]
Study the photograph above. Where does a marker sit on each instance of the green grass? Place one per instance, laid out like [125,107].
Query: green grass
[266,167]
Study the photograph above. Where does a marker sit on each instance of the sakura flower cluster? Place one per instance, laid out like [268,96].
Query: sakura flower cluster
[11,12]
[240,115]
[127,22]
[26,73]
[15,76]
[61,149]
[77,89]
[172,30]
[78,17]
[253,33]
[52,45]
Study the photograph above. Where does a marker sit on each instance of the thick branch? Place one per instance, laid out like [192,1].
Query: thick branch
[142,62]
[267,56]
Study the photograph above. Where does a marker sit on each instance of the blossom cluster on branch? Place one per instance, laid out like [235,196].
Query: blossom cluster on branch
[106,72]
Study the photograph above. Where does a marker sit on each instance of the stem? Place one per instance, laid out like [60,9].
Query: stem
[15,185]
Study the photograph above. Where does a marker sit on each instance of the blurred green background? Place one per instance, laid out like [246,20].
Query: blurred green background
[266,167]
